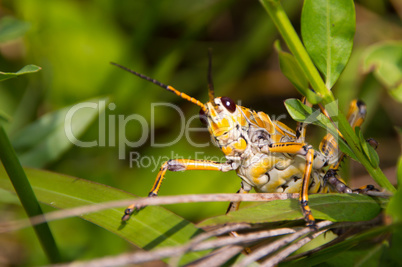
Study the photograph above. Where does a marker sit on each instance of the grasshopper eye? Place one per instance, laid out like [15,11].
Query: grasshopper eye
[228,104]
[203,117]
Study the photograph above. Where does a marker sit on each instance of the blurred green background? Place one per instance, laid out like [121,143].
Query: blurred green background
[74,41]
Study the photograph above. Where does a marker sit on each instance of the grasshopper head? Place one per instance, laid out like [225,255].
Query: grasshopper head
[220,116]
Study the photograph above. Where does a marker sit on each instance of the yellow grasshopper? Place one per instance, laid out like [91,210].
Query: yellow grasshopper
[266,154]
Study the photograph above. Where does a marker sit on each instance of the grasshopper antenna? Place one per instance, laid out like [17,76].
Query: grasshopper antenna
[167,87]
[142,76]
[211,92]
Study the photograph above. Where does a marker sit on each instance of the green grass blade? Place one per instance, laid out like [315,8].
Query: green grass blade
[26,195]
[152,227]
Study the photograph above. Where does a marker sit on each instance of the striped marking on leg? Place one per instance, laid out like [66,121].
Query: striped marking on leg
[303,199]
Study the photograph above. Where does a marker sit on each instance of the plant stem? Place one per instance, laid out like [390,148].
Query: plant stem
[292,40]
[26,195]
[289,35]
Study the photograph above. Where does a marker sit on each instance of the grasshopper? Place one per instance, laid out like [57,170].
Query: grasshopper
[266,154]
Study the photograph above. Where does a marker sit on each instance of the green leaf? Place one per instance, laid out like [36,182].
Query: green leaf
[292,71]
[25,70]
[12,28]
[301,112]
[297,110]
[47,138]
[351,244]
[385,60]
[152,227]
[333,207]
[369,151]
[327,28]
[373,155]
[295,74]
[364,254]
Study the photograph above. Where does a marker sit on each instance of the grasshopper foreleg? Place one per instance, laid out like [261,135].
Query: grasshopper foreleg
[178,165]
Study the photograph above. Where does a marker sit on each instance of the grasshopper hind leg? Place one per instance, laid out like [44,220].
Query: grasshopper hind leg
[329,147]
[331,177]
[234,205]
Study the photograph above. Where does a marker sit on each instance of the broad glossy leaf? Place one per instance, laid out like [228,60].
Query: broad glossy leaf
[333,207]
[25,70]
[47,138]
[152,227]
[327,28]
